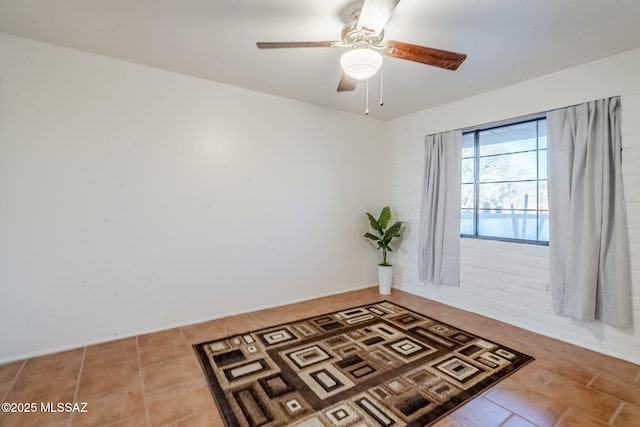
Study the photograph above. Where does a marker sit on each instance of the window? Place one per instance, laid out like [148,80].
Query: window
[504,182]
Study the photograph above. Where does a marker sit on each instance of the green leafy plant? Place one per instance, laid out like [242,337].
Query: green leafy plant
[384,234]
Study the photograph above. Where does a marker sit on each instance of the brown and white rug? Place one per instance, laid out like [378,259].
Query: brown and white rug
[375,365]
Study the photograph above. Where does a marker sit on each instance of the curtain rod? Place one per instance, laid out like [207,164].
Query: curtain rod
[524,118]
[504,122]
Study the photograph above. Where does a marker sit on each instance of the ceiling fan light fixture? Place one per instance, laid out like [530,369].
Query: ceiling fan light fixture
[375,14]
[361,63]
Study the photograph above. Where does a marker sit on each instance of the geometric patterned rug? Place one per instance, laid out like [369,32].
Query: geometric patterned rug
[378,364]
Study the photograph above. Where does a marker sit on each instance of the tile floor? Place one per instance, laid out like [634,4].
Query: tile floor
[155,379]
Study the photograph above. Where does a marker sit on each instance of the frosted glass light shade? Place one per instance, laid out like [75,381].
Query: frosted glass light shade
[360,64]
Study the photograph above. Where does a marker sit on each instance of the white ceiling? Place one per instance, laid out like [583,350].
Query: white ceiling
[507,41]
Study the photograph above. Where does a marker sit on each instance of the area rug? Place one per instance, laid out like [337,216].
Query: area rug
[375,365]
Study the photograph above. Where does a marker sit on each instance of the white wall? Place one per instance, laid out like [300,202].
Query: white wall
[505,280]
[133,199]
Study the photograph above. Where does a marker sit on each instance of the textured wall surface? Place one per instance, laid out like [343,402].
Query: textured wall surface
[507,281]
[134,199]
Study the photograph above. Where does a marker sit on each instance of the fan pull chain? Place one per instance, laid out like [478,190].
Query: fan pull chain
[381,85]
[366,108]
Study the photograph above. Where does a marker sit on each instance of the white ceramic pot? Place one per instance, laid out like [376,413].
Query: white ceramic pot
[385,277]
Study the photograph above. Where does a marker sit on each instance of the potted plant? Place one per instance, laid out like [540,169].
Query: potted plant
[383,239]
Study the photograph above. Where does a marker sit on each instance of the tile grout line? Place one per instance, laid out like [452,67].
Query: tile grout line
[15,378]
[189,344]
[575,355]
[616,412]
[592,380]
[553,376]
[562,417]
[147,417]
[182,335]
[260,322]
[621,400]
[531,337]
[513,413]
[507,419]
[75,394]
[565,415]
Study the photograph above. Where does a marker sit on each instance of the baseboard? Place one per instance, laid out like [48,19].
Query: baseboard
[497,316]
[135,333]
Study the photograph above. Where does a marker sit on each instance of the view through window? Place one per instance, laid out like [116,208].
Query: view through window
[504,182]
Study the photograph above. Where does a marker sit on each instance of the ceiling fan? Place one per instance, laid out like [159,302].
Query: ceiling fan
[364,35]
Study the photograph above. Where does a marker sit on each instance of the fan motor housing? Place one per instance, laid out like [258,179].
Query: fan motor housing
[352,36]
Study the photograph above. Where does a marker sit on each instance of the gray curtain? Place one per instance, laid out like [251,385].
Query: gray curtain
[439,231]
[588,244]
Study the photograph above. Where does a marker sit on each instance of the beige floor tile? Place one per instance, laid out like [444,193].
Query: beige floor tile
[623,390]
[38,419]
[111,353]
[172,373]
[131,421]
[517,394]
[615,368]
[155,379]
[174,404]
[202,332]
[8,374]
[161,347]
[114,408]
[505,334]
[579,373]
[577,418]
[105,379]
[516,421]
[239,323]
[628,416]
[587,400]
[274,316]
[446,422]
[480,412]
[201,419]
[557,348]
[48,378]
[529,378]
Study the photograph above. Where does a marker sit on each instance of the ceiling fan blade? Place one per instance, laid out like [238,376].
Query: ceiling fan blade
[347,84]
[375,14]
[425,55]
[278,45]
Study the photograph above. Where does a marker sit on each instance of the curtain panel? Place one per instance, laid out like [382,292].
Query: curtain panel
[439,230]
[588,244]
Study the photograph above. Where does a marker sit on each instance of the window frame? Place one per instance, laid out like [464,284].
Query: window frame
[476,178]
